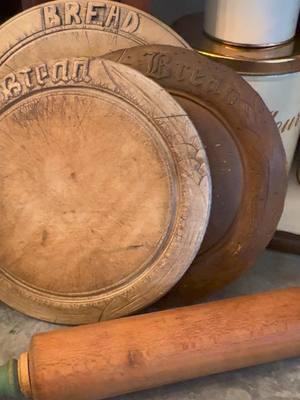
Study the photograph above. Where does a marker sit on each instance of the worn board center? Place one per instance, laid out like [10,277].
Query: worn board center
[81,191]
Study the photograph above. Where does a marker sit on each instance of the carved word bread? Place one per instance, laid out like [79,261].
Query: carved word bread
[60,29]
[246,158]
[73,14]
[104,190]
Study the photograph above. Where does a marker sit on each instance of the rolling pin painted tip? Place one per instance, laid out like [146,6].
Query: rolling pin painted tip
[103,360]
[9,382]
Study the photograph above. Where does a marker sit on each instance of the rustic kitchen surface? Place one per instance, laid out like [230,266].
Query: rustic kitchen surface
[280,380]
[136,170]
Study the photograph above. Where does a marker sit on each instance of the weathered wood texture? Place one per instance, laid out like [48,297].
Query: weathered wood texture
[62,202]
[83,30]
[104,192]
[246,157]
[117,357]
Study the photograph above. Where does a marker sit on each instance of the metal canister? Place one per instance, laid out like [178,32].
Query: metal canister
[274,72]
[251,23]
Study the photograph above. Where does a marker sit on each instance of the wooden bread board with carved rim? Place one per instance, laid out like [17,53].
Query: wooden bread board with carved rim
[105,191]
[246,157]
[60,29]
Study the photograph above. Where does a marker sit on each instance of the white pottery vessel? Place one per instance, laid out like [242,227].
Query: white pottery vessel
[251,22]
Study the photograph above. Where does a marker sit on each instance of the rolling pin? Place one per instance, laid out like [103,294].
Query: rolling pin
[98,361]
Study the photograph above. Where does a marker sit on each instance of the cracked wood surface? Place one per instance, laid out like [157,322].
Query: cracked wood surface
[105,190]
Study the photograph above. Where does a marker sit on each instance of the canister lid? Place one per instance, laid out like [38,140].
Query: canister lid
[282,59]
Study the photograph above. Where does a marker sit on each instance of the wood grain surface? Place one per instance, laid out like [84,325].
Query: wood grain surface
[78,29]
[246,157]
[30,41]
[104,191]
[131,354]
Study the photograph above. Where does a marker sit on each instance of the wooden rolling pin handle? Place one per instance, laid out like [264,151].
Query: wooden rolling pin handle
[9,383]
[117,357]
